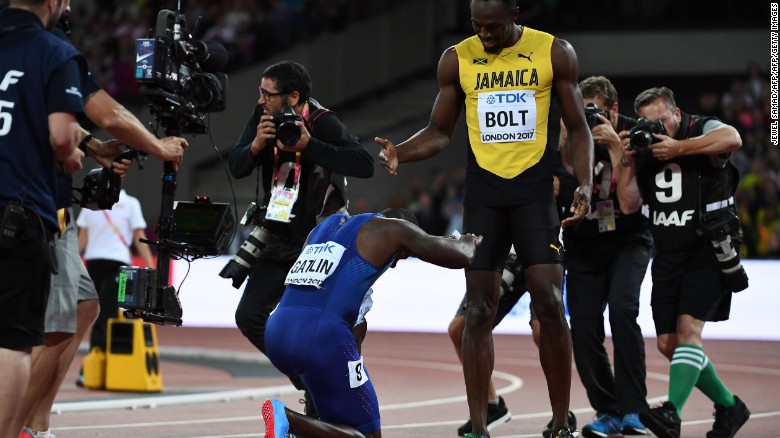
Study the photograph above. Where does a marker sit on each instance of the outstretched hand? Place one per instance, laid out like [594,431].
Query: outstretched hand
[580,206]
[387,156]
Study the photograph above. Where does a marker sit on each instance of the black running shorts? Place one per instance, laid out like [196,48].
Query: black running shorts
[532,228]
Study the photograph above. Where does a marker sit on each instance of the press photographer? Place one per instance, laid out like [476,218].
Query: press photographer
[606,259]
[685,179]
[303,182]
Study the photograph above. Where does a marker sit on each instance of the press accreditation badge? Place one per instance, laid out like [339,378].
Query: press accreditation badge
[507,116]
[281,204]
[316,263]
[606,212]
[357,374]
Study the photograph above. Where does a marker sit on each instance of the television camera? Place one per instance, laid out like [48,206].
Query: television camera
[182,82]
[181,77]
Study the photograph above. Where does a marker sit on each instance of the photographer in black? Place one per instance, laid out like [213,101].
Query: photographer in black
[303,182]
[686,179]
[606,259]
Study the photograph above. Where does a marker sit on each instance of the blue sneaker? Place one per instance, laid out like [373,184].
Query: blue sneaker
[603,425]
[276,424]
[631,425]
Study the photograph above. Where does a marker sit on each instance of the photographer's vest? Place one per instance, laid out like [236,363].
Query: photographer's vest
[678,190]
[507,98]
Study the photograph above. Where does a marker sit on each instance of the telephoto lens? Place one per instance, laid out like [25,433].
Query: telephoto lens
[734,276]
[238,267]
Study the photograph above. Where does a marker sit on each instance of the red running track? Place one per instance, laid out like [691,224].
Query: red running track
[420,387]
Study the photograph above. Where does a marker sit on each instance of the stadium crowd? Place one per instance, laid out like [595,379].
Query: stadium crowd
[105,32]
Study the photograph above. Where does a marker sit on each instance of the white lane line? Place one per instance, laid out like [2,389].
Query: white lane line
[172,400]
[515,383]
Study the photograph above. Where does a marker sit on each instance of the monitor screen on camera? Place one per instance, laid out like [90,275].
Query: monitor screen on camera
[204,225]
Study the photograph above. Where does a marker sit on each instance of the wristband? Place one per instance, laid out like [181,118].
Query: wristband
[84,141]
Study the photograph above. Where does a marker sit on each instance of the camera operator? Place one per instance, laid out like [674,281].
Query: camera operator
[73,302]
[685,177]
[313,168]
[606,259]
[40,97]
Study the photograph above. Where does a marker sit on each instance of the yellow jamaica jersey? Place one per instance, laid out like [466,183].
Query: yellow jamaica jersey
[507,101]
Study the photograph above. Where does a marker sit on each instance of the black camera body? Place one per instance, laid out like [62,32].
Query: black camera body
[102,186]
[180,76]
[721,227]
[591,115]
[641,135]
[287,131]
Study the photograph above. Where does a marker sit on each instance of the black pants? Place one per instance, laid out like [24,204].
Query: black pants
[608,275]
[262,293]
[105,274]
[25,268]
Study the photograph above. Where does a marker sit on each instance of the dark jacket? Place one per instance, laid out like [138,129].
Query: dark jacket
[331,154]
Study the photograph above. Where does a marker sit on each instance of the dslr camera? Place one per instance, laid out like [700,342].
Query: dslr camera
[180,76]
[591,115]
[641,135]
[287,131]
[718,227]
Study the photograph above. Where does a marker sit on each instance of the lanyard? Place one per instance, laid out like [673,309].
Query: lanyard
[114,227]
[297,167]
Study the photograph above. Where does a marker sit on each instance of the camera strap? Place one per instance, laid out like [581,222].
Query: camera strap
[297,176]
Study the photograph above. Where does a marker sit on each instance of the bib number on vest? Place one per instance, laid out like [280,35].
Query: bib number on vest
[507,116]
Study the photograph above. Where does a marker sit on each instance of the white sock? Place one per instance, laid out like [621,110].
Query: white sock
[43,434]
[493,402]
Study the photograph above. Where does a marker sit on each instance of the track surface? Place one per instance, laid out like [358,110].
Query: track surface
[215,382]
